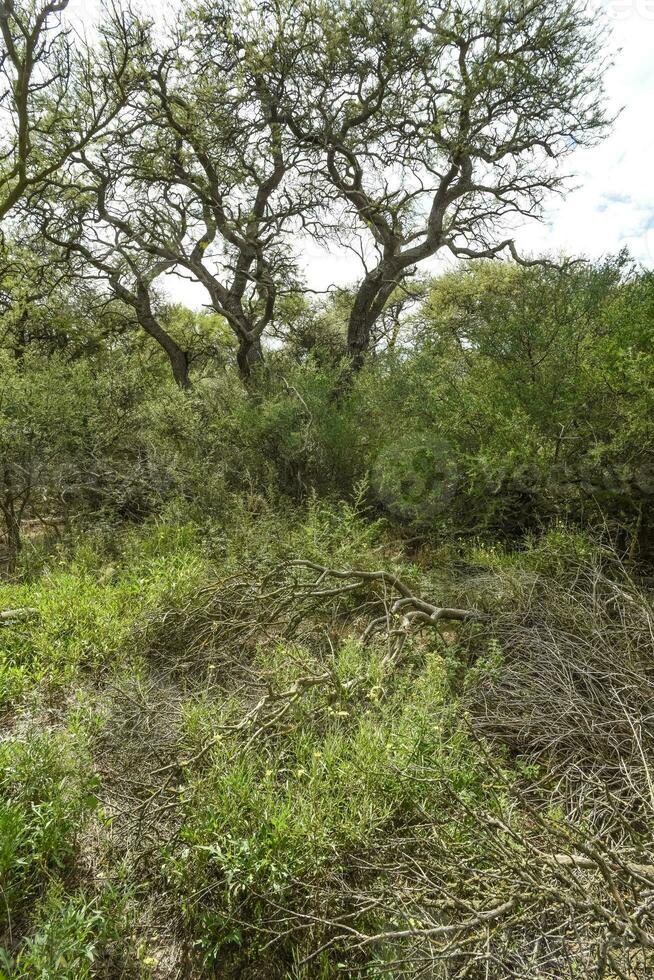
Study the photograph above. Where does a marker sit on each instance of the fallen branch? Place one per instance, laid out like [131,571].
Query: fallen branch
[17,615]
[401,616]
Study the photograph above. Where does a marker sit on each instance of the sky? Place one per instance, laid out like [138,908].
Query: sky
[611,201]
[610,204]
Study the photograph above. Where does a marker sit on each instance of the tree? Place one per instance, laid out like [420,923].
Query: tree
[65,103]
[206,184]
[95,249]
[56,92]
[434,122]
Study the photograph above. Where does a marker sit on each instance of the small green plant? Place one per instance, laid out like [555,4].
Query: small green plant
[68,937]
[47,792]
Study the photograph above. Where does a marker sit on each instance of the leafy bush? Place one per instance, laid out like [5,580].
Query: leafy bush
[524,397]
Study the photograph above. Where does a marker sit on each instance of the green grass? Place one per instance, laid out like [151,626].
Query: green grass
[85,608]
[70,936]
[47,795]
[295,806]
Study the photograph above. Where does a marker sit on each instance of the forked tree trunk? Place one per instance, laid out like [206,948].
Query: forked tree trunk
[249,356]
[368,306]
[140,302]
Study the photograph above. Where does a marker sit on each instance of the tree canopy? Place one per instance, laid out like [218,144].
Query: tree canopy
[213,147]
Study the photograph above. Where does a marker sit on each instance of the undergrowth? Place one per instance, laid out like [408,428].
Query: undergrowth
[210,768]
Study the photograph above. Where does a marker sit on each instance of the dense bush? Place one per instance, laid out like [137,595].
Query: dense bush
[518,396]
[524,396]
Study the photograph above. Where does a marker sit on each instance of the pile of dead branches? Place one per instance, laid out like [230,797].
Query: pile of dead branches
[296,601]
[574,690]
[553,878]
[515,894]
[207,645]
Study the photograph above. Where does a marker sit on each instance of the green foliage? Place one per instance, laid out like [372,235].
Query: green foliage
[359,781]
[524,397]
[85,606]
[46,796]
[260,819]
[150,818]
[219,760]
[70,933]
[518,396]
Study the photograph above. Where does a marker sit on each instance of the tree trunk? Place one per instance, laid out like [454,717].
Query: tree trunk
[249,356]
[358,340]
[179,364]
[368,307]
[177,357]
